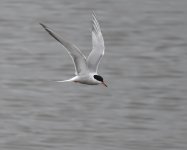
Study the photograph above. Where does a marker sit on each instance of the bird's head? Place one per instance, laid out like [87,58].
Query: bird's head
[99,79]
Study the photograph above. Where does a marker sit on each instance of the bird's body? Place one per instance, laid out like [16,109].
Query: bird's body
[84,79]
[85,68]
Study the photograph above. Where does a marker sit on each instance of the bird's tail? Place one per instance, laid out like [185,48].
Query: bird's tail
[69,80]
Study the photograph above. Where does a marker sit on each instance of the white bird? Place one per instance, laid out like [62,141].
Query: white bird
[85,68]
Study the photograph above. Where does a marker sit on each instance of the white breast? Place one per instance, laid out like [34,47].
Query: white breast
[86,79]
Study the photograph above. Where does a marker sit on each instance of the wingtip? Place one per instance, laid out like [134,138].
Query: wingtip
[93,14]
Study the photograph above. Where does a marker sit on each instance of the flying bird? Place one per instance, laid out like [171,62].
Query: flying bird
[85,68]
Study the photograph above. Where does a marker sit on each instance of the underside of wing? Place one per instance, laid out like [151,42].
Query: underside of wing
[98,47]
[76,55]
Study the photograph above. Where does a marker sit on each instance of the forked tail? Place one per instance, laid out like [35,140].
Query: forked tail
[69,80]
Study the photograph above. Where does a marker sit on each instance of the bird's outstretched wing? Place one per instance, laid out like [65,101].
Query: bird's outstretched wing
[76,55]
[98,47]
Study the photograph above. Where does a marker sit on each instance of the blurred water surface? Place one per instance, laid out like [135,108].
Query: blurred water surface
[145,105]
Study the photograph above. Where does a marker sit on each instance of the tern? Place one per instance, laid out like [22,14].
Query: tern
[85,68]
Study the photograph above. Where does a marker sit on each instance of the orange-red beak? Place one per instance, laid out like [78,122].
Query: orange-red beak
[104,84]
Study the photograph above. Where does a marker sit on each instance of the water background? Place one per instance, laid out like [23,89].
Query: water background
[145,67]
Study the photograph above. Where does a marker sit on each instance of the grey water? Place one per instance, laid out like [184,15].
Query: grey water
[145,67]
